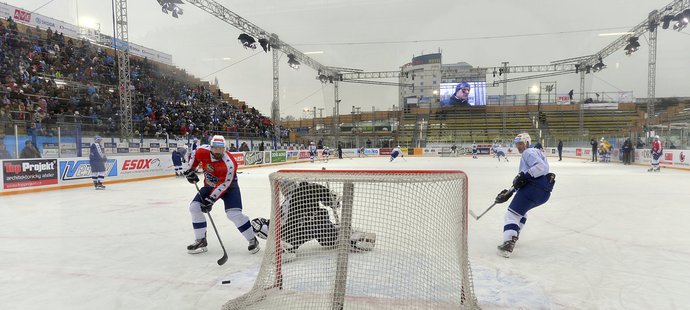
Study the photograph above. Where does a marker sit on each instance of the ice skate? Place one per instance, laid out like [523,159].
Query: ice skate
[253,246]
[506,248]
[100,185]
[199,246]
[657,169]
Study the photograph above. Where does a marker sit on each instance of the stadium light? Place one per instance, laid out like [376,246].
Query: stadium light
[666,21]
[247,41]
[682,20]
[171,6]
[632,46]
[265,45]
[598,66]
[294,64]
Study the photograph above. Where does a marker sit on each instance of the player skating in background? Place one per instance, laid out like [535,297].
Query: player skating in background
[306,215]
[475,151]
[220,182]
[533,185]
[97,160]
[192,149]
[326,152]
[396,152]
[498,151]
[178,159]
[312,151]
[361,152]
[656,152]
[604,150]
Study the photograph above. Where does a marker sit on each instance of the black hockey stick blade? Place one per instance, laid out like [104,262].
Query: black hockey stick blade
[223,259]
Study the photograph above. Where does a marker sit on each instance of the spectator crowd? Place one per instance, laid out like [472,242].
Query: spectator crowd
[48,79]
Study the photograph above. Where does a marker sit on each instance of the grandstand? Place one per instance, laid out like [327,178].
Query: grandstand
[51,81]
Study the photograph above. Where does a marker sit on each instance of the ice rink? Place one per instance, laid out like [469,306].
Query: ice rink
[611,237]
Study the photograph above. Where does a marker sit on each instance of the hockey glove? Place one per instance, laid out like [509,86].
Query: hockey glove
[521,180]
[191,176]
[207,204]
[504,195]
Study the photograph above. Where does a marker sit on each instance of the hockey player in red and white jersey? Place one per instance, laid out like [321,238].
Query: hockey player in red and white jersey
[220,182]
[657,151]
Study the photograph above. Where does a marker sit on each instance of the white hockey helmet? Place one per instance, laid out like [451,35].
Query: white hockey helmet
[656,137]
[312,143]
[217,141]
[523,137]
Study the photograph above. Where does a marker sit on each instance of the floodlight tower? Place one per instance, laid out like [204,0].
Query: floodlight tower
[121,44]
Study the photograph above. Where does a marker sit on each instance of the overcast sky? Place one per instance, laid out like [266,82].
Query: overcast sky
[382,35]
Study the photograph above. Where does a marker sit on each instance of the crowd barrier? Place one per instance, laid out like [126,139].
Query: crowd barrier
[27,175]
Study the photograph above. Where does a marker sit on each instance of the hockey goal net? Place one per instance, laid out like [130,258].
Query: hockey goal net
[342,239]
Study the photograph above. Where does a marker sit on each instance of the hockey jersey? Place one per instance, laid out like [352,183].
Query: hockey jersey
[218,173]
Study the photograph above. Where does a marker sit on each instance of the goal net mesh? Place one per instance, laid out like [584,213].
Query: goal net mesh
[364,240]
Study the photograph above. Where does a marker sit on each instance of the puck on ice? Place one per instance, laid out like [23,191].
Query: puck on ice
[226,282]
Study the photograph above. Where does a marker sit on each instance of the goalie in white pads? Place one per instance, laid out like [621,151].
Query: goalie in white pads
[306,217]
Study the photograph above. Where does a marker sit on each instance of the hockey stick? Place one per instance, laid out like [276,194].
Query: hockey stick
[223,259]
[476,217]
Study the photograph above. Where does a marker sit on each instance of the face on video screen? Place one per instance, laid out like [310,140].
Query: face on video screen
[462,94]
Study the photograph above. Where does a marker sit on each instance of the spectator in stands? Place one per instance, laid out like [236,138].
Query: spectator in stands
[460,96]
[233,148]
[244,147]
[594,145]
[4,154]
[30,151]
[560,150]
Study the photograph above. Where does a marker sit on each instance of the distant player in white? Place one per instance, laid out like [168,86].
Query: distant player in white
[396,152]
[475,151]
[326,152]
[498,151]
[312,151]
[656,152]
[361,152]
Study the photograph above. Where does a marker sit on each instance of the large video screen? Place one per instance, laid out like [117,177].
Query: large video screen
[476,96]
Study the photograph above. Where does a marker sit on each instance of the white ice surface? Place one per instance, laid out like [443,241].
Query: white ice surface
[611,237]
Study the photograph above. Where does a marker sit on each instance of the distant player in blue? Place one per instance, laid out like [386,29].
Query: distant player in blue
[178,159]
[396,152]
[475,151]
[533,185]
[312,152]
[97,161]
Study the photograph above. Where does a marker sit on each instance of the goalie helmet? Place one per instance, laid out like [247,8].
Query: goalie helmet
[523,137]
[260,227]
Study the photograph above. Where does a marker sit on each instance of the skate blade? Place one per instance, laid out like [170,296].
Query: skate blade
[197,251]
[255,250]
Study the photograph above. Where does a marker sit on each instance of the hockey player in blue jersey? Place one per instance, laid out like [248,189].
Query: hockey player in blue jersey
[532,186]
[396,152]
[97,161]
[326,153]
[312,151]
[178,159]
[475,151]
